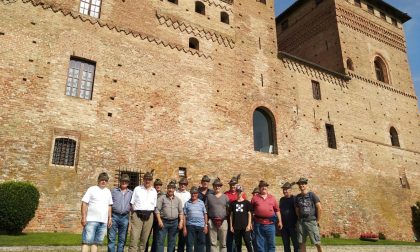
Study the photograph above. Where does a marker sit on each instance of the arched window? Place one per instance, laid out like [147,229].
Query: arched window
[264,131]
[64,151]
[200,8]
[381,70]
[173,1]
[194,44]
[224,17]
[262,1]
[350,64]
[394,137]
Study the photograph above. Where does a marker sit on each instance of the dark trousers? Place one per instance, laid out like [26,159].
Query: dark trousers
[154,232]
[238,235]
[195,233]
[287,234]
[182,242]
[230,241]
[170,229]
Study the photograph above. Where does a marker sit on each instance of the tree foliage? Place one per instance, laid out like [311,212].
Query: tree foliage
[415,213]
[18,203]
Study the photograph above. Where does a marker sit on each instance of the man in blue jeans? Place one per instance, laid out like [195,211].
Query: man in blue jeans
[96,214]
[168,212]
[265,207]
[121,196]
[195,222]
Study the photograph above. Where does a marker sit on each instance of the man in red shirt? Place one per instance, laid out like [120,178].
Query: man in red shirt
[265,206]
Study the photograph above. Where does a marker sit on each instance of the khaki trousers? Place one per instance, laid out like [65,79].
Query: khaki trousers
[140,230]
[218,234]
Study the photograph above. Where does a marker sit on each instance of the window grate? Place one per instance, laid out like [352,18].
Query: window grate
[64,151]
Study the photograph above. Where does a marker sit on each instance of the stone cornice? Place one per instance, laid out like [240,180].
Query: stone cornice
[103,24]
[313,70]
[381,85]
[195,30]
[384,144]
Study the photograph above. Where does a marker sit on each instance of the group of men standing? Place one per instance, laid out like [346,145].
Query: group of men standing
[203,219]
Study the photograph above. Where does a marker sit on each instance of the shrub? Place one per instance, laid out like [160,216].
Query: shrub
[415,213]
[369,236]
[336,235]
[381,236]
[18,202]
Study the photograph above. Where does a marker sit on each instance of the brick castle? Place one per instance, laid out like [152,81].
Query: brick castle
[217,87]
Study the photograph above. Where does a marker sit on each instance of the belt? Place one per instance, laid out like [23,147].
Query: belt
[124,214]
[169,219]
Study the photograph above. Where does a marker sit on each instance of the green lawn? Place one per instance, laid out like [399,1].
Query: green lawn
[67,239]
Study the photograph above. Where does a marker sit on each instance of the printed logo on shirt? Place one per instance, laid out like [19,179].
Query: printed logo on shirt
[240,208]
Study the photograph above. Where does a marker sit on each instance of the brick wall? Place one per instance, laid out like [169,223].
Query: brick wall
[173,107]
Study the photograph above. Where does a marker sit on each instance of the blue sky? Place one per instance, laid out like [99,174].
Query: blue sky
[411,27]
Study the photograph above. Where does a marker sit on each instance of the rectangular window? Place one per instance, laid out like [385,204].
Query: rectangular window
[357,3]
[182,172]
[383,16]
[90,7]
[370,9]
[316,90]
[331,136]
[285,25]
[64,151]
[80,78]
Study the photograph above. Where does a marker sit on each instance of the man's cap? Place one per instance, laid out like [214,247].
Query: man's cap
[217,181]
[103,176]
[205,178]
[158,182]
[302,181]
[148,176]
[172,184]
[125,177]
[194,189]
[233,181]
[287,185]
[262,183]
[239,188]
[183,181]
[256,190]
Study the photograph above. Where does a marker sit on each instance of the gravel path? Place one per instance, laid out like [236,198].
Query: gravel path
[364,248]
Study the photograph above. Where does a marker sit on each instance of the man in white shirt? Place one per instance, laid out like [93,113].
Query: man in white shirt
[184,196]
[143,204]
[96,214]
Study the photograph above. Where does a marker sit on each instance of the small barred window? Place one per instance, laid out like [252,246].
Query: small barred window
[64,152]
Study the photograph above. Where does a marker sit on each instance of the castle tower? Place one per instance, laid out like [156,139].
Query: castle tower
[365,37]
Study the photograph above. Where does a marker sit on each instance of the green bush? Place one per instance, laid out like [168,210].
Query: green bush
[18,202]
[381,236]
[415,213]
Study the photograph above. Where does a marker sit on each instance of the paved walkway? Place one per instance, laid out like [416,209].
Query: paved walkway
[364,248]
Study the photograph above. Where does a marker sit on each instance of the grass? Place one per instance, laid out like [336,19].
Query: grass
[68,239]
